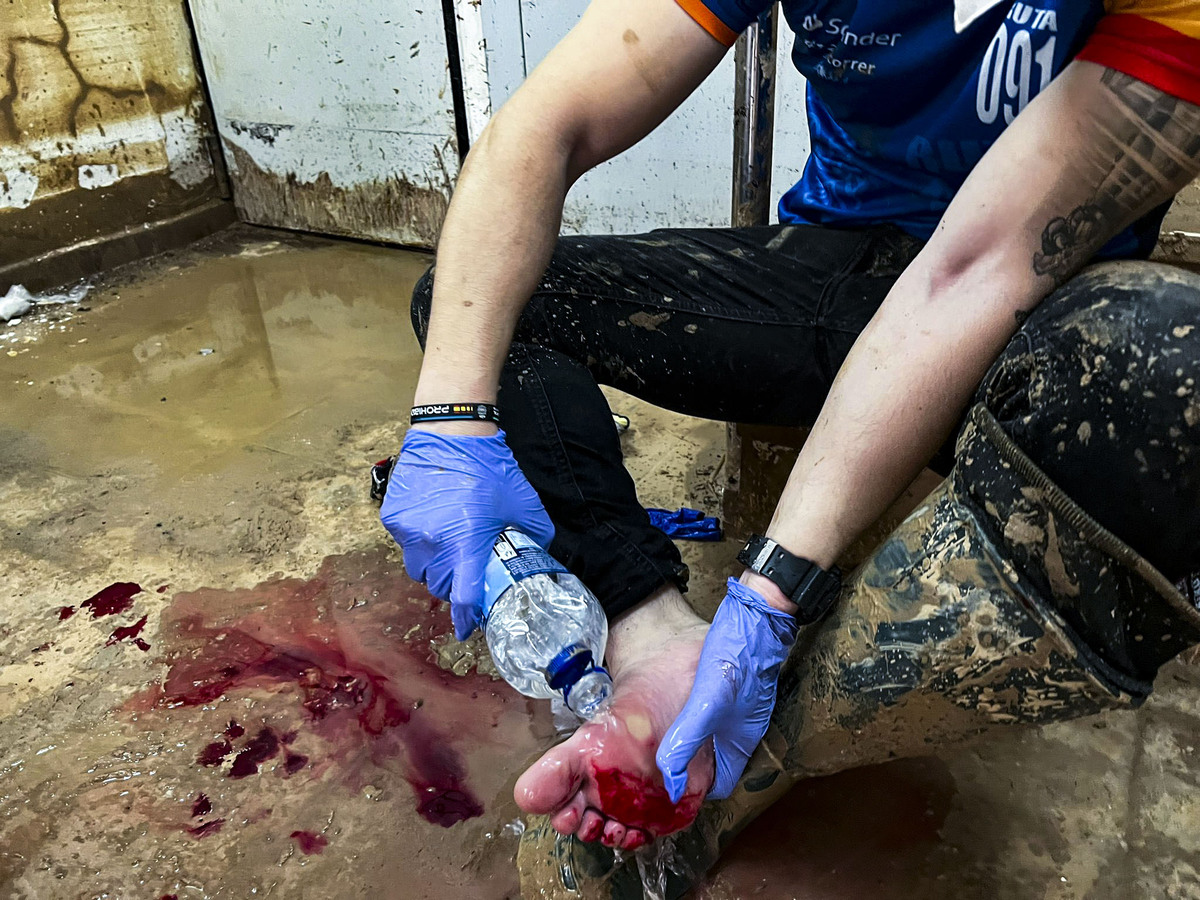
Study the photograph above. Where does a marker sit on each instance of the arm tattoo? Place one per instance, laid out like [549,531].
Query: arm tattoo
[1157,138]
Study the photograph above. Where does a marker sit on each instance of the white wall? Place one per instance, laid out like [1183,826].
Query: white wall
[335,116]
[791,128]
[339,117]
[680,175]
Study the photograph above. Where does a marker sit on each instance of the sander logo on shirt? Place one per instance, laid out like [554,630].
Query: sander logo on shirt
[828,38]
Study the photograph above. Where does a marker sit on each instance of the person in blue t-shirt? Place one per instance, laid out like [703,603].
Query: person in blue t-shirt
[926,280]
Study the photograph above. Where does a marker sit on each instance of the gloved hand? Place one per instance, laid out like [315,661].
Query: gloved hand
[447,499]
[734,692]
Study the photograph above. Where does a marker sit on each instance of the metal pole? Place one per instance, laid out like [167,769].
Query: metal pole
[754,121]
[753,133]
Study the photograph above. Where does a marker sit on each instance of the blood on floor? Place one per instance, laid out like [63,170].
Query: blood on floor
[114,599]
[341,663]
[309,842]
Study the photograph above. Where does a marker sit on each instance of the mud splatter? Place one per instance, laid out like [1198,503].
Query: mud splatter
[866,832]
[395,208]
[649,321]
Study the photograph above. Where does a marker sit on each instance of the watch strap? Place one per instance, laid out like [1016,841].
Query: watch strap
[813,589]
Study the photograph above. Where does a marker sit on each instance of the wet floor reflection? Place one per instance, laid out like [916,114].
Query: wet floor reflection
[189,363]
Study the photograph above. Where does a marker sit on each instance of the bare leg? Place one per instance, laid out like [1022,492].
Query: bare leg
[602,782]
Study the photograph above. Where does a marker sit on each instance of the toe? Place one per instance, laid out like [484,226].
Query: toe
[591,827]
[568,819]
[634,838]
[614,833]
[550,783]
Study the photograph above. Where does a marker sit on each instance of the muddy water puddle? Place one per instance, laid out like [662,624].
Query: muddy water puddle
[304,740]
[867,833]
[210,354]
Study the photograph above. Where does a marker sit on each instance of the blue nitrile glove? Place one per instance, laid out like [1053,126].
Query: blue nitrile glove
[448,498]
[685,524]
[734,692]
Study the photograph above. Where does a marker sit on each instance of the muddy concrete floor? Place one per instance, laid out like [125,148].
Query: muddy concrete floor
[216,681]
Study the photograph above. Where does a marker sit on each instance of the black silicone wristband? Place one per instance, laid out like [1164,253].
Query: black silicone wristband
[455,412]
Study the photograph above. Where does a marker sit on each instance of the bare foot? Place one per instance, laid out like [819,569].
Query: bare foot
[602,782]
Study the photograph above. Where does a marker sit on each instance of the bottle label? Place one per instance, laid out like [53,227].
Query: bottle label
[515,556]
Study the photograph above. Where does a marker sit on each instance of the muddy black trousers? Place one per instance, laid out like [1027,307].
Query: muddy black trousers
[751,324]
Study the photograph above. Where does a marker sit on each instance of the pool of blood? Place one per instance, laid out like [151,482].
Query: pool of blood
[361,676]
[205,829]
[310,842]
[294,762]
[214,753]
[260,748]
[201,806]
[114,599]
[129,632]
[643,803]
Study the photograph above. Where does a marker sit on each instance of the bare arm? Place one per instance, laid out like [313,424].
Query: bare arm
[1093,152]
[613,79]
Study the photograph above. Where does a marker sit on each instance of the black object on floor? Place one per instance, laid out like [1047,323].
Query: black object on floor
[380,473]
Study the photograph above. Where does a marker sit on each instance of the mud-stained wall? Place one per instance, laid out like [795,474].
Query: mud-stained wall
[335,117]
[101,122]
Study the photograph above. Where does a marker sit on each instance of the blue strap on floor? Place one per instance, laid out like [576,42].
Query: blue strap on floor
[686,524]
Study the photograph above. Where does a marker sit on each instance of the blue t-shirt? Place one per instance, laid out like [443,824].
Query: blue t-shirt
[901,107]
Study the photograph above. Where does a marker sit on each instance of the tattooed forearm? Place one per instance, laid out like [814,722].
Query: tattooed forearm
[1154,139]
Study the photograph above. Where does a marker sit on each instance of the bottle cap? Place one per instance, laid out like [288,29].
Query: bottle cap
[568,666]
[574,666]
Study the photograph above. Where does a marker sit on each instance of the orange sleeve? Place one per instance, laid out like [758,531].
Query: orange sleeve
[1155,41]
[709,21]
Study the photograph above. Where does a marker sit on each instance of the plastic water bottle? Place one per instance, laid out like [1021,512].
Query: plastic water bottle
[545,630]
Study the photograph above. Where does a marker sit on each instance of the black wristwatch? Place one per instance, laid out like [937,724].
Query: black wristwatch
[802,581]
